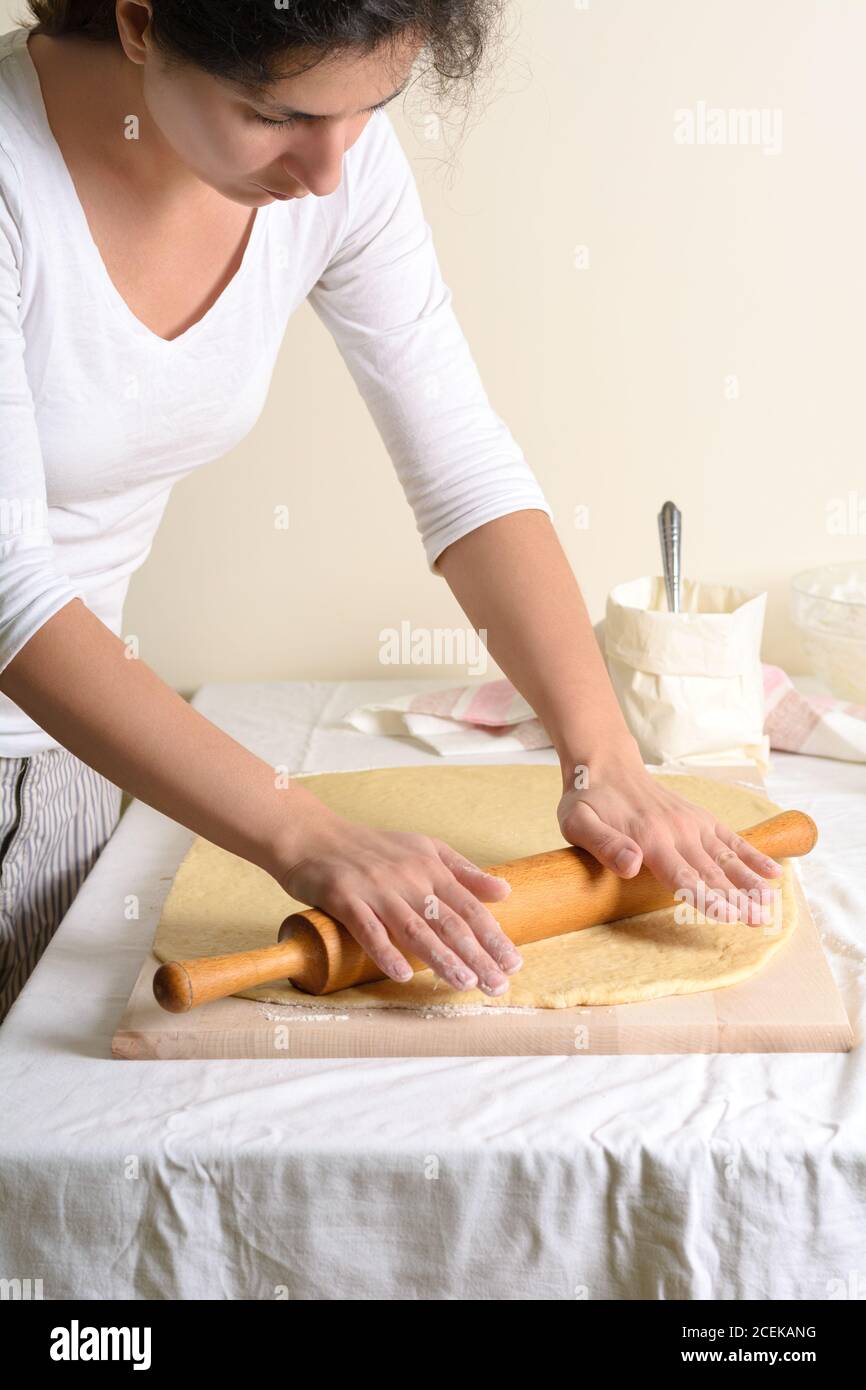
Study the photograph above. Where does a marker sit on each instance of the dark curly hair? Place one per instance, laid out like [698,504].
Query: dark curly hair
[256,42]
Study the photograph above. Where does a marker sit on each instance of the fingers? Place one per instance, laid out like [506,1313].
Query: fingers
[450,944]
[612,848]
[397,922]
[761,863]
[490,888]
[422,901]
[469,927]
[671,868]
[458,937]
[737,872]
[474,933]
[695,878]
[370,934]
[416,936]
[746,896]
[684,847]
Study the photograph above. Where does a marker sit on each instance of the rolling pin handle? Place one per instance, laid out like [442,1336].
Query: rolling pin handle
[172,988]
[788,834]
[181,985]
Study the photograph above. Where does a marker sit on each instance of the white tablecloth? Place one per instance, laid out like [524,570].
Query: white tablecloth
[668,1177]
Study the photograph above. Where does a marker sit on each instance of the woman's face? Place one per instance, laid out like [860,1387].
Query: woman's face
[223,132]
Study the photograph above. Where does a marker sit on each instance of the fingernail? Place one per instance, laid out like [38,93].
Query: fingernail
[494,989]
[625,859]
[511,962]
[403,973]
[466,979]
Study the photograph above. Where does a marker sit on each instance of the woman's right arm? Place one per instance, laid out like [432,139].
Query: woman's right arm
[72,676]
[66,669]
[77,681]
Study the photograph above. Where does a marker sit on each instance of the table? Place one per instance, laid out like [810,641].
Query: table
[662,1177]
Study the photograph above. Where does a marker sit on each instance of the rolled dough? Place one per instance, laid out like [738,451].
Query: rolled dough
[491,813]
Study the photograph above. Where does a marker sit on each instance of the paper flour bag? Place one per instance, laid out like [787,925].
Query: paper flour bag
[690,683]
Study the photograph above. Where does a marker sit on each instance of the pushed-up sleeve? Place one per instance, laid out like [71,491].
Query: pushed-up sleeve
[32,587]
[383,299]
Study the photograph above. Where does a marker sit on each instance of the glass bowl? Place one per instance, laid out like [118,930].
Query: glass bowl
[828,606]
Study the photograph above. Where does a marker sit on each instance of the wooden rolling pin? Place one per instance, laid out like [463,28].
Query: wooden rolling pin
[560,891]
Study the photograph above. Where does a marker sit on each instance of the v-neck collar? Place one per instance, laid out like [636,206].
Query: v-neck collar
[110,292]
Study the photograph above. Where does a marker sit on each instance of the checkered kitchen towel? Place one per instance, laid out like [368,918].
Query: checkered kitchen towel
[493,718]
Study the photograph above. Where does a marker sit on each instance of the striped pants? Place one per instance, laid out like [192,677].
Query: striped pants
[56,814]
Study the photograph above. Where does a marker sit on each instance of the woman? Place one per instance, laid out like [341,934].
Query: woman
[176,177]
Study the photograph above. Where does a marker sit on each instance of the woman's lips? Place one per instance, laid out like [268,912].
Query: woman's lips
[274,194]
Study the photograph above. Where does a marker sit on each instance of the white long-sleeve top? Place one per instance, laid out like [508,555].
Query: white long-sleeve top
[99,416]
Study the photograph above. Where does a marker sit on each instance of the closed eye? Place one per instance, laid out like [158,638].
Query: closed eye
[296,120]
[266,120]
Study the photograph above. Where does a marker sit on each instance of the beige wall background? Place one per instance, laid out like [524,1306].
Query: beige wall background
[652,319]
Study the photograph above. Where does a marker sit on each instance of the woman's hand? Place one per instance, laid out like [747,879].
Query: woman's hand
[397,892]
[624,817]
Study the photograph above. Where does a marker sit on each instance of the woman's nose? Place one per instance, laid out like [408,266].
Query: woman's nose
[317,161]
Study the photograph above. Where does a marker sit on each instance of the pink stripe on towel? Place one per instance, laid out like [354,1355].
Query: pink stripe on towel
[490,704]
[790,722]
[439,702]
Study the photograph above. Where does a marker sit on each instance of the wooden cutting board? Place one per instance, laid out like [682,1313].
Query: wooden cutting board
[791,1005]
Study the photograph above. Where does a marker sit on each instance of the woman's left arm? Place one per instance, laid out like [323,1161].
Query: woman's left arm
[513,581]
[484,523]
